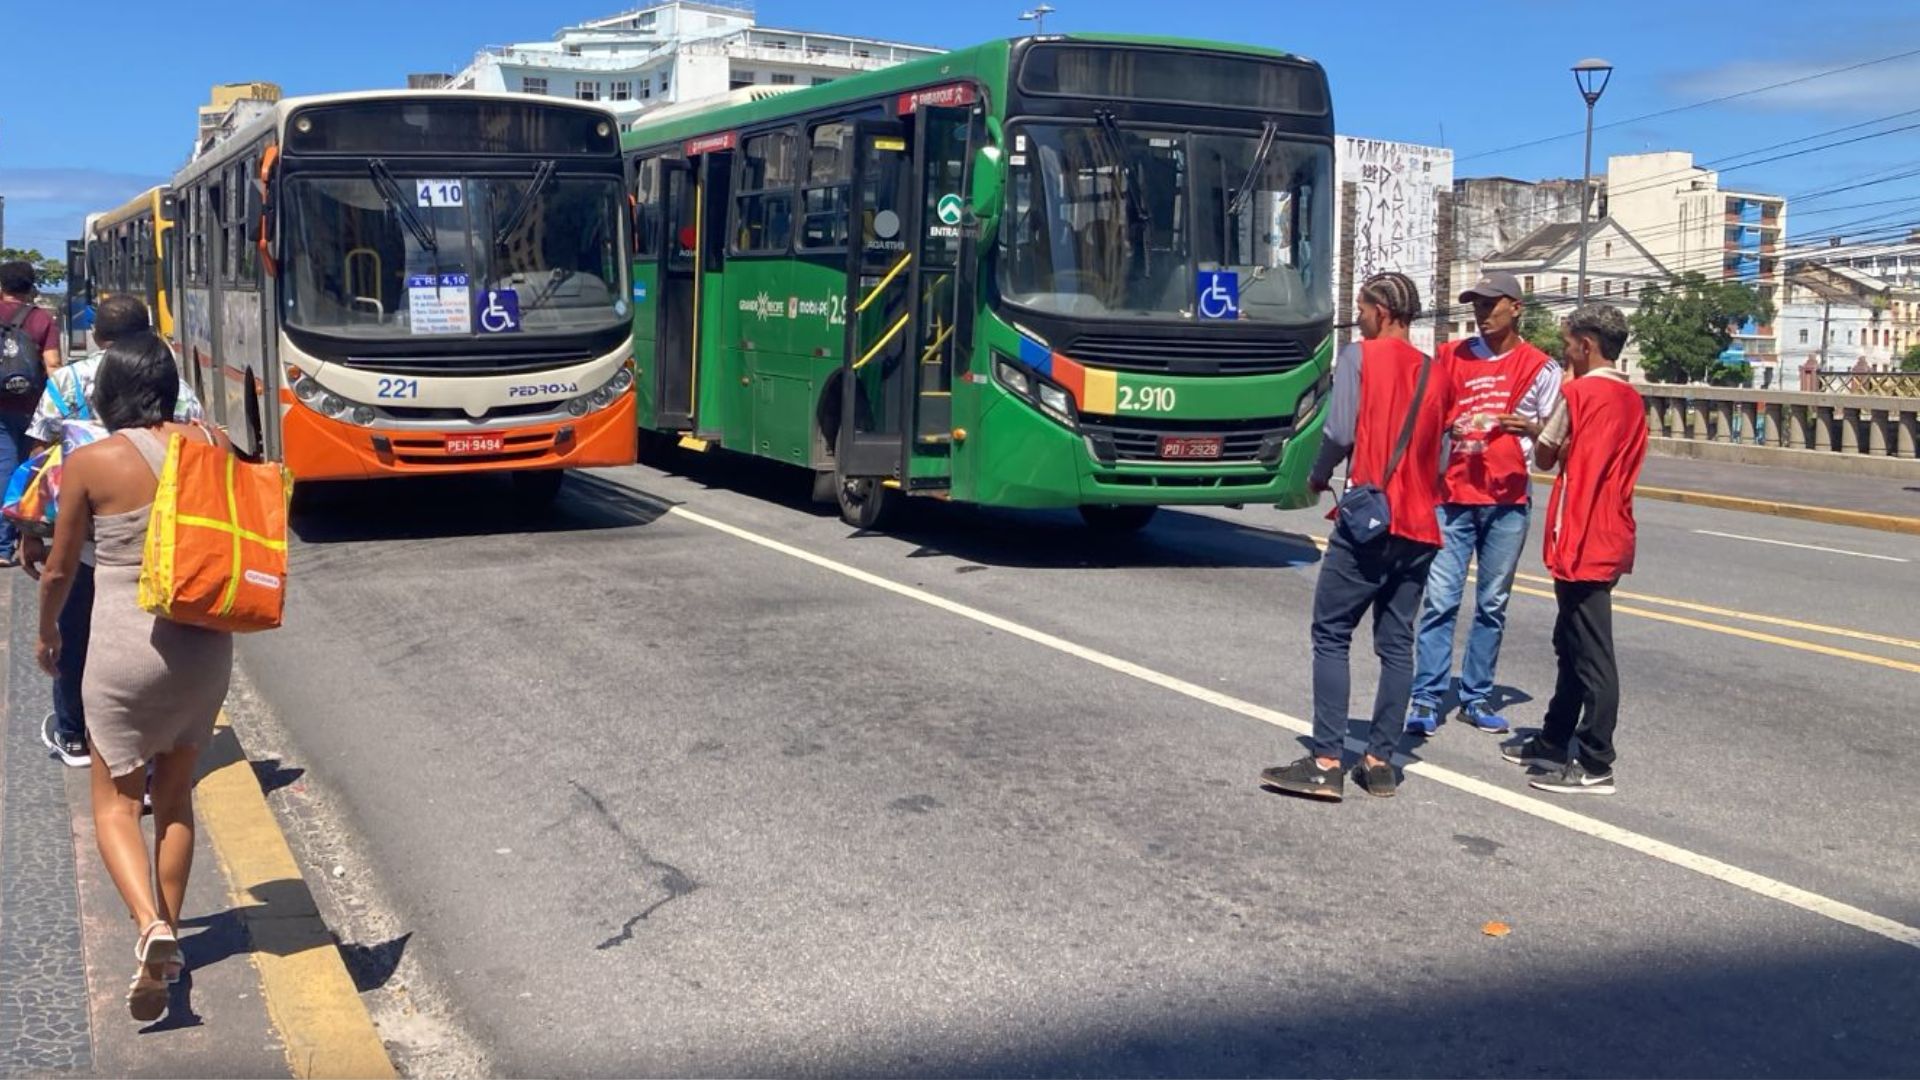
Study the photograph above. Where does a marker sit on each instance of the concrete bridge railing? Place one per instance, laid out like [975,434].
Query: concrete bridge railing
[1875,436]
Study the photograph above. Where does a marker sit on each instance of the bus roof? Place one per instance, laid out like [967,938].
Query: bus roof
[145,203]
[972,62]
[275,116]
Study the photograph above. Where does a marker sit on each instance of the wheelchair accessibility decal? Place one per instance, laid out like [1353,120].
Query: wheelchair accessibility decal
[500,314]
[1217,294]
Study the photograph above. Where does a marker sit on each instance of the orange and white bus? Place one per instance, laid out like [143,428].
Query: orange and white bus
[412,282]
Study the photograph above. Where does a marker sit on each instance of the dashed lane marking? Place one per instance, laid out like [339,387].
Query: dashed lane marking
[1726,873]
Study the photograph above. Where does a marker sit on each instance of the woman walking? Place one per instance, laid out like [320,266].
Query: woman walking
[154,687]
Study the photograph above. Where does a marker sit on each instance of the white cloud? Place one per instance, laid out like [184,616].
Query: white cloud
[95,188]
[1876,89]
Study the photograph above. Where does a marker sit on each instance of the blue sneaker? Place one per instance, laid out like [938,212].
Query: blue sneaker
[1422,719]
[1482,720]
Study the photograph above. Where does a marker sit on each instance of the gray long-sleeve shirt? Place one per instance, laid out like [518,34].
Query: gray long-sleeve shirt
[1343,416]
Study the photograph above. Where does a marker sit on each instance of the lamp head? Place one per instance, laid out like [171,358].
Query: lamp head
[1591,76]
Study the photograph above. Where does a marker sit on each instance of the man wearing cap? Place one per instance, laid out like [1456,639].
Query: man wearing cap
[1505,389]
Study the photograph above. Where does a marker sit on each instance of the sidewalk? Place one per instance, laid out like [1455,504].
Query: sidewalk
[1860,501]
[66,944]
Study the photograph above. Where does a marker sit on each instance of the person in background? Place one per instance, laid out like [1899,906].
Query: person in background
[69,395]
[1598,439]
[156,701]
[1505,388]
[29,349]
[1390,401]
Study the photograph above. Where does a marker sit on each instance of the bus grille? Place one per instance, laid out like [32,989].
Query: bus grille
[1115,439]
[505,364]
[1195,354]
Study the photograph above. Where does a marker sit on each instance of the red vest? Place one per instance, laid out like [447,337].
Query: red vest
[1590,529]
[1486,466]
[1389,370]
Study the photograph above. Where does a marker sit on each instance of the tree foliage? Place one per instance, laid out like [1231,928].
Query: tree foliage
[1540,327]
[1682,329]
[1911,361]
[45,271]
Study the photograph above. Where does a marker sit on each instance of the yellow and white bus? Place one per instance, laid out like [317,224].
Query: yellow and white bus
[411,282]
[127,253]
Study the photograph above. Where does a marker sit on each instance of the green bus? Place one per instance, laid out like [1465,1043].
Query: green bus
[1061,271]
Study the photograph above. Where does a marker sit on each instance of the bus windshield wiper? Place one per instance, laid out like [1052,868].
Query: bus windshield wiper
[516,217]
[1117,146]
[396,198]
[1244,193]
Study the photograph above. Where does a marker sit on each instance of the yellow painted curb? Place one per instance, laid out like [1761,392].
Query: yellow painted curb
[309,995]
[1826,515]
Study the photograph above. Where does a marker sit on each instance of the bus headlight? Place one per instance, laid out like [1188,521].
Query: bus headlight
[306,389]
[363,415]
[1014,379]
[1050,398]
[332,405]
[603,395]
[1054,398]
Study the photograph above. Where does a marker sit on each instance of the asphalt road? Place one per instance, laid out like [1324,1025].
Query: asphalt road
[652,798]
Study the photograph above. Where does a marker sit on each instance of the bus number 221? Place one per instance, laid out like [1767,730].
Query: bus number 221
[1147,399]
[392,389]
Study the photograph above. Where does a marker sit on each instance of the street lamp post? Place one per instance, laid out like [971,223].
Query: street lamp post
[1038,17]
[1591,76]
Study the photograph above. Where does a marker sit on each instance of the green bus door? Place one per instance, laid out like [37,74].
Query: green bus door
[675,331]
[898,364]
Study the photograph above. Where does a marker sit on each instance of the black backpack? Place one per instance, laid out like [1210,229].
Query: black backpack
[22,374]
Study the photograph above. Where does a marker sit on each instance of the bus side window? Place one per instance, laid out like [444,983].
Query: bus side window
[646,221]
[763,201]
[825,200]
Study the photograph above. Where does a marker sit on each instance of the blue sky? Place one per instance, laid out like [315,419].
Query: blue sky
[110,87]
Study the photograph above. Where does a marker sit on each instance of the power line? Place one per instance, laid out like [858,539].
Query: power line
[1695,105]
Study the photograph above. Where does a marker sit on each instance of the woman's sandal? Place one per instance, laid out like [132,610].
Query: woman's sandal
[156,949]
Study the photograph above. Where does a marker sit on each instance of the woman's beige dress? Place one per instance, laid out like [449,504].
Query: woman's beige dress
[151,686]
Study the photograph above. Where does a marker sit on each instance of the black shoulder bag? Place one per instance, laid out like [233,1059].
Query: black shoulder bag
[1363,511]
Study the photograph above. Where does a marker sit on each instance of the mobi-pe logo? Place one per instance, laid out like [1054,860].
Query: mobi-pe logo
[262,579]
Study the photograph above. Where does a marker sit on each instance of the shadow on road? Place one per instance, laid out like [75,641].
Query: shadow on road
[1023,539]
[441,507]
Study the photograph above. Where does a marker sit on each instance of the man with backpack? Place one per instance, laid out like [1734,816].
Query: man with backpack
[69,397]
[29,348]
[1389,411]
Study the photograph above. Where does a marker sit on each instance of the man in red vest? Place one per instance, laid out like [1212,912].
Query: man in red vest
[1505,389]
[1389,412]
[1598,438]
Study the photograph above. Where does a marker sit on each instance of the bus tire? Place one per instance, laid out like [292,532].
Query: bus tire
[535,489]
[864,502]
[1117,519]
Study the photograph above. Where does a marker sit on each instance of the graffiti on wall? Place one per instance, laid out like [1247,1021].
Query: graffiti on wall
[1396,213]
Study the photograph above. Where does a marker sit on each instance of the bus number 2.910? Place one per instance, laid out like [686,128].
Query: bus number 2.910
[391,389]
[1146,399]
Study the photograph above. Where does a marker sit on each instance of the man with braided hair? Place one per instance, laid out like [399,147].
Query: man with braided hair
[1389,413]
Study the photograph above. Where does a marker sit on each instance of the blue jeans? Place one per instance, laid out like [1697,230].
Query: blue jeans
[13,440]
[76,633]
[1492,536]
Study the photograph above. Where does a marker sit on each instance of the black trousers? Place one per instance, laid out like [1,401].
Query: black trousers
[1385,577]
[1586,694]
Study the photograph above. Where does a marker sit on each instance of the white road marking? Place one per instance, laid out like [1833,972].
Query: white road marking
[1758,884]
[1803,547]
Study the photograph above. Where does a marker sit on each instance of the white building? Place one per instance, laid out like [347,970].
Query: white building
[1691,224]
[678,50]
[1390,201]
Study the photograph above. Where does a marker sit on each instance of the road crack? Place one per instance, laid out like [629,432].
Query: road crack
[675,881]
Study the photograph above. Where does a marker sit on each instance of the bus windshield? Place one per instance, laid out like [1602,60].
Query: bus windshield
[1111,222]
[375,255]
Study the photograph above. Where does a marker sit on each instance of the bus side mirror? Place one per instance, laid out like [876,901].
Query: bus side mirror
[989,184]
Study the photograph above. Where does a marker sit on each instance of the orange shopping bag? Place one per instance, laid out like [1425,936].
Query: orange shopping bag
[216,550]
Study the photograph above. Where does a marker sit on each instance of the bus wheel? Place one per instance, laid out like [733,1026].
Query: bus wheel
[537,488]
[1117,519]
[864,502]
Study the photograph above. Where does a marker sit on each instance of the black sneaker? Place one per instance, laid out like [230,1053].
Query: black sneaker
[1377,780]
[1533,751]
[1306,778]
[1574,779]
[72,752]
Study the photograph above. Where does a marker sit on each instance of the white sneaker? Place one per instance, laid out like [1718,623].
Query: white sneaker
[73,754]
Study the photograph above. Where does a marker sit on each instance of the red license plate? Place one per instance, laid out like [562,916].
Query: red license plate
[476,444]
[1190,447]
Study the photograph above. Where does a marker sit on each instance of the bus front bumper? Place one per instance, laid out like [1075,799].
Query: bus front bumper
[1026,460]
[322,448]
